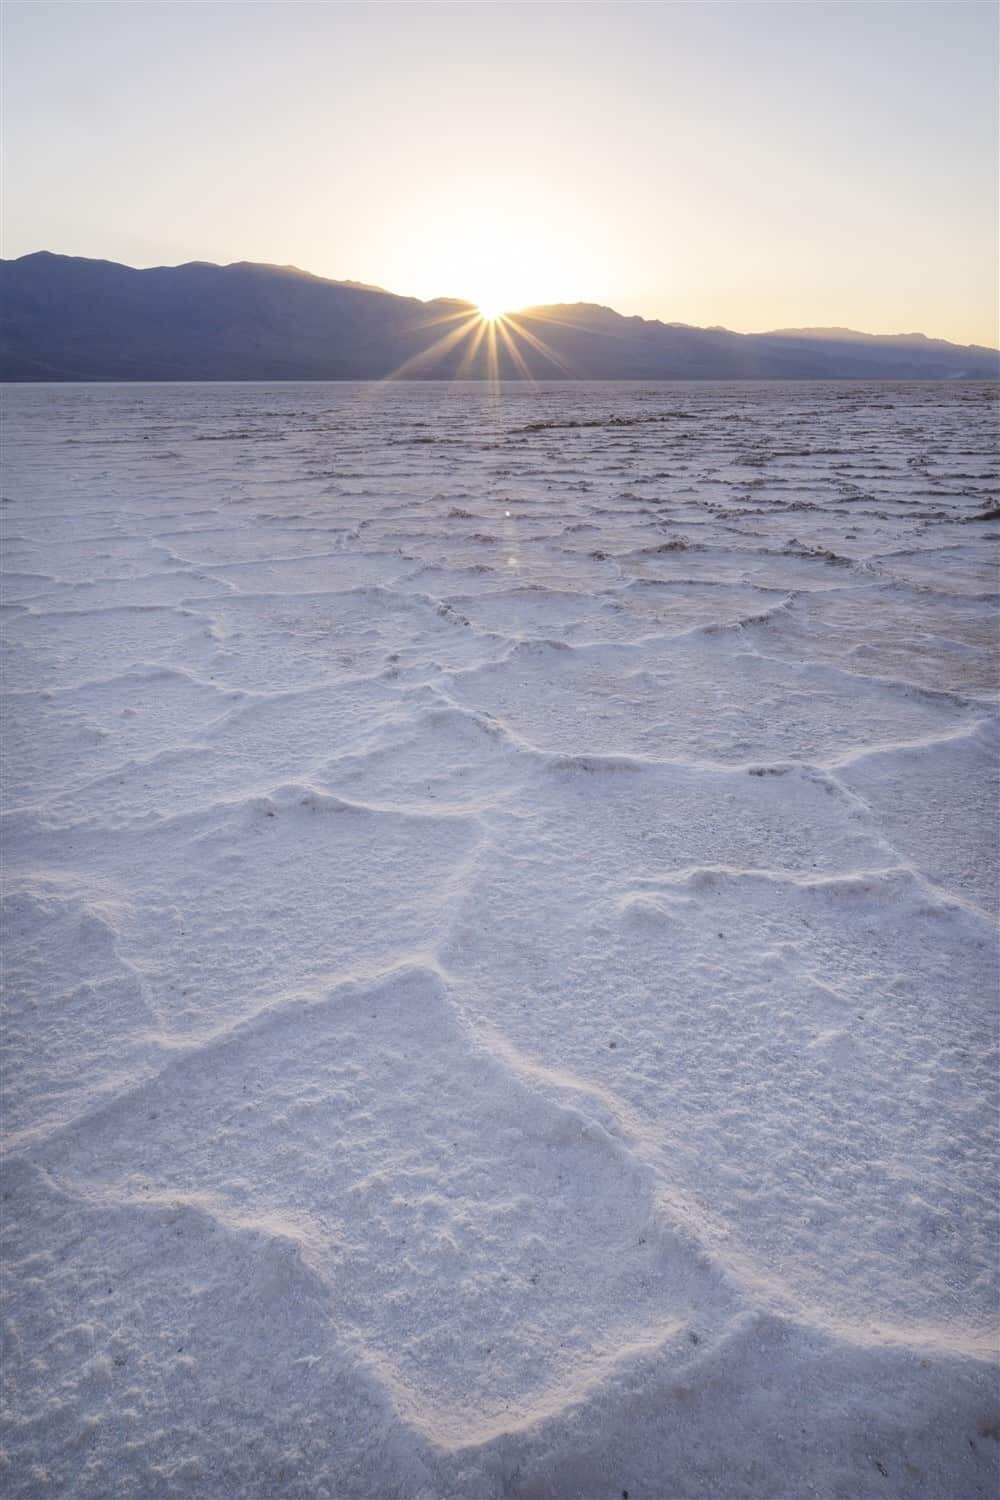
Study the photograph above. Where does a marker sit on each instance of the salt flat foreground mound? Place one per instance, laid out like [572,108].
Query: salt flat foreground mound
[500,942]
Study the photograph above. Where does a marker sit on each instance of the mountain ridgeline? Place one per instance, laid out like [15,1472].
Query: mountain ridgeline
[66,318]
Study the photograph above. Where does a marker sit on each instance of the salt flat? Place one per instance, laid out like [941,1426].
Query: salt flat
[500,941]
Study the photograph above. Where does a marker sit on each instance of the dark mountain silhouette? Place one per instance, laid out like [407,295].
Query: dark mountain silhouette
[67,318]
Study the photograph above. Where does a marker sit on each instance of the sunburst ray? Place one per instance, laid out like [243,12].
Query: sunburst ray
[440,346]
[543,349]
[514,351]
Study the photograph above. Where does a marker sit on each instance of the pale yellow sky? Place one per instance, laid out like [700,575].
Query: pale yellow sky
[754,165]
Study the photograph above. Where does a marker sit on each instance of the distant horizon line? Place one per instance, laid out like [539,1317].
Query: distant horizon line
[367,286]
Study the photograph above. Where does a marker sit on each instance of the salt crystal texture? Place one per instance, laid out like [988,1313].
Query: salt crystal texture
[500,941]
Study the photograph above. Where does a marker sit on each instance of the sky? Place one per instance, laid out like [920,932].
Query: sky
[752,165]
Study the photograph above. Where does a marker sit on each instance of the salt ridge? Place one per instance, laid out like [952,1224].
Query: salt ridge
[501,949]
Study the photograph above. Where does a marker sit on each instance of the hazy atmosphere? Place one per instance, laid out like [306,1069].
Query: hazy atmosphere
[499,798]
[757,166]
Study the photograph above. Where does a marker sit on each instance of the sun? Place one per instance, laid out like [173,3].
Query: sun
[490,311]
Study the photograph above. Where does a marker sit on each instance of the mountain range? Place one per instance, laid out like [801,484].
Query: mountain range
[67,318]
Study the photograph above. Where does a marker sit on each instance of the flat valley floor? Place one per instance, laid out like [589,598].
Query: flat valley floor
[500,940]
